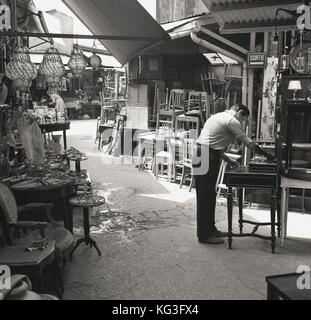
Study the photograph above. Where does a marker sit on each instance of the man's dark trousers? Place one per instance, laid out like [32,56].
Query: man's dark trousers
[206,197]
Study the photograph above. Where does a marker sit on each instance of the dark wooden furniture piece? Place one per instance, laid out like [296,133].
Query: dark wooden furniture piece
[242,178]
[57,193]
[292,107]
[284,287]
[86,203]
[28,218]
[51,127]
[31,263]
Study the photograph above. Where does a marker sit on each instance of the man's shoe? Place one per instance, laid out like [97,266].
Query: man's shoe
[211,240]
[220,234]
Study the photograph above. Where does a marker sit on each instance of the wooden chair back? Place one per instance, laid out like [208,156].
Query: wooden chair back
[177,99]
[187,145]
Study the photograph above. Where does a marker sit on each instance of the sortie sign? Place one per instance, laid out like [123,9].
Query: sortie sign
[256,60]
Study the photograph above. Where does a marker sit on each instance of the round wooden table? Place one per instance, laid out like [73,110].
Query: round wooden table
[57,192]
[86,203]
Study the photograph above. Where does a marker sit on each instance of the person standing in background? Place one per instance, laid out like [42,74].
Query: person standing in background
[58,103]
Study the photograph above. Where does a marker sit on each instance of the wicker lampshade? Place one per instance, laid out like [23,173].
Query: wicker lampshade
[77,62]
[21,70]
[52,68]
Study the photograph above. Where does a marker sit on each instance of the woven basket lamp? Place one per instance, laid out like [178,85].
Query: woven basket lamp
[77,62]
[21,70]
[52,68]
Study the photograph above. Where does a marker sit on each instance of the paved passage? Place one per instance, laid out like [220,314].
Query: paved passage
[147,236]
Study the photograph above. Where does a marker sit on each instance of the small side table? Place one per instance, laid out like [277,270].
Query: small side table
[31,263]
[243,178]
[86,203]
[78,162]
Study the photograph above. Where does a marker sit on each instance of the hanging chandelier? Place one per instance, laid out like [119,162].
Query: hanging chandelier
[21,70]
[95,60]
[77,62]
[52,68]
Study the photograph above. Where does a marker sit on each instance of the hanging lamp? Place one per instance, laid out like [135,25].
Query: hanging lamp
[21,70]
[77,62]
[95,60]
[52,68]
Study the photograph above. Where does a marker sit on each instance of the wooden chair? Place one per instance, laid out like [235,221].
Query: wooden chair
[220,179]
[193,111]
[212,85]
[187,153]
[173,107]
[167,159]
[233,85]
[11,224]
[159,98]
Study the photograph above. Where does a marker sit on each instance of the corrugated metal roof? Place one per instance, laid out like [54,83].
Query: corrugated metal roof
[184,19]
[230,12]
[188,23]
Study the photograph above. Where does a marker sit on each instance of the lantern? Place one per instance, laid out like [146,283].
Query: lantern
[21,70]
[77,62]
[52,68]
[95,61]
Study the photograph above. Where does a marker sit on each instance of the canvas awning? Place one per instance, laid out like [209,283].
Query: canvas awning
[120,18]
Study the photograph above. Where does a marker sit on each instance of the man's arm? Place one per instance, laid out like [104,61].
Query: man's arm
[232,163]
[241,136]
[256,149]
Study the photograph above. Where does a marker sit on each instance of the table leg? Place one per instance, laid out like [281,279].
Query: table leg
[240,192]
[273,205]
[278,212]
[88,240]
[86,225]
[283,208]
[229,204]
[78,166]
[140,156]
[65,140]
[286,212]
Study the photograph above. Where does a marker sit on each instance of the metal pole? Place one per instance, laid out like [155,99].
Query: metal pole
[14,18]
[75,36]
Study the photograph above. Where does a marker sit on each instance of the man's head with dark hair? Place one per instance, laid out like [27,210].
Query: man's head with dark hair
[241,112]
